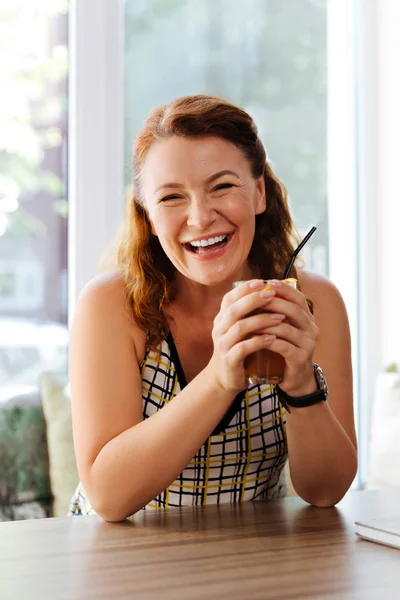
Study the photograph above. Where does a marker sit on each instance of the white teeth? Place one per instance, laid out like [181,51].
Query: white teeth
[209,241]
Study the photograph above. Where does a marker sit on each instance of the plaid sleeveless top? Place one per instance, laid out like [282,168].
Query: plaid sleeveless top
[244,456]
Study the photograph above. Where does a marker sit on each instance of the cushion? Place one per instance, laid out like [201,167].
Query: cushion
[56,404]
[384,449]
[290,489]
[24,465]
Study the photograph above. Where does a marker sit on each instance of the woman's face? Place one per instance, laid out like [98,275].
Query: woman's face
[202,200]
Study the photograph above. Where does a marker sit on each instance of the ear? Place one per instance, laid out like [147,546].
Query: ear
[261,203]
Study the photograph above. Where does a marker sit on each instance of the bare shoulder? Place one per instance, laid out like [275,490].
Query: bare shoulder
[333,348]
[104,300]
[105,296]
[105,354]
[325,296]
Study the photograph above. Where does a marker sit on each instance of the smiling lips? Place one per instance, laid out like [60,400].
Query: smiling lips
[208,245]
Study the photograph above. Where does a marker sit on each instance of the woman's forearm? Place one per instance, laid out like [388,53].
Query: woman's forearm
[322,458]
[137,465]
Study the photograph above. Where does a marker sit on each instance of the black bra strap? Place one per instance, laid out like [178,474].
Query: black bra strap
[230,413]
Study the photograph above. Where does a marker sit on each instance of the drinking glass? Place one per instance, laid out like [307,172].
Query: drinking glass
[265,366]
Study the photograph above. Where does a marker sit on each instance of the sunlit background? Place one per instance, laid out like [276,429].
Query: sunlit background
[33,192]
[76,82]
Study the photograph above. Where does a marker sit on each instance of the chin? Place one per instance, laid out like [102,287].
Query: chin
[219,276]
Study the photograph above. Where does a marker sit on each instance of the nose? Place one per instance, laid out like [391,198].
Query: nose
[201,212]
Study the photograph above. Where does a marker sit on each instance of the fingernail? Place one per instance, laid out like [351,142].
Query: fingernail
[274,283]
[277,317]
[267,293]
[269,338]
[256,283]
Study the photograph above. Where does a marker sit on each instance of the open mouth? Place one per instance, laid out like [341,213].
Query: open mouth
[208,244]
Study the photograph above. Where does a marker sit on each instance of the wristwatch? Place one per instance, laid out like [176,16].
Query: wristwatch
[310,399]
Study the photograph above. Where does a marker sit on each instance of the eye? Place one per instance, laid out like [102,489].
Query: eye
[223,186]
[170,197]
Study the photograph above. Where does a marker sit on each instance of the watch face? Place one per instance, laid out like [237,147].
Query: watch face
[320,377]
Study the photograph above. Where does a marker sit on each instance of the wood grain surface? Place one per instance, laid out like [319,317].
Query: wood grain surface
[281,549]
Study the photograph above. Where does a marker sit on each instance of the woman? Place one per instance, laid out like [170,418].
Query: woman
[160,413]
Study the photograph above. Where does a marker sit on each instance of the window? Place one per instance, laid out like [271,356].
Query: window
[292,65]
[33,194]
[270,57]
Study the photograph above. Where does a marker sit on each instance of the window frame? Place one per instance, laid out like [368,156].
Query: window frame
[96,166]
[96,108]
[343,171]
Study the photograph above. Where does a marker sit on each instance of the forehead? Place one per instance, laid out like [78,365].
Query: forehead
[190,160]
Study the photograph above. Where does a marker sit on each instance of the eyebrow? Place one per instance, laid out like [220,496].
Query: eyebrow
[208,180]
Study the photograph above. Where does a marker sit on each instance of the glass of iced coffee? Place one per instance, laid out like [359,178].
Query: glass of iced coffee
[265,366]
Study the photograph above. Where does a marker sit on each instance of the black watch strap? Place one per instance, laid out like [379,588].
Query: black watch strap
[320,395]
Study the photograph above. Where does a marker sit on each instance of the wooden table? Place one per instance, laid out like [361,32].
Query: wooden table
[283,549]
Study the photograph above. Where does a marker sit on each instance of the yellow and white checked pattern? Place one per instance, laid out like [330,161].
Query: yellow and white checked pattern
[241,460]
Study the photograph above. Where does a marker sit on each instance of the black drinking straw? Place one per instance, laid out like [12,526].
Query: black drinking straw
[295,253]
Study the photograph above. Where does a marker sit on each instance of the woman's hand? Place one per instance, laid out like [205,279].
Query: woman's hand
[236,334]
[288,328]
[296,338]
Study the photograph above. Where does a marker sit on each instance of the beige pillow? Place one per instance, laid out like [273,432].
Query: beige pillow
[290,489]
[56,404]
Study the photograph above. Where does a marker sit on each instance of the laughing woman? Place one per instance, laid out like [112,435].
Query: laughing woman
[162,415]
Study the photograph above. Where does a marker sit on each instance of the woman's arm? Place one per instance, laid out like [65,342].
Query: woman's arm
[123,460]
[321,439]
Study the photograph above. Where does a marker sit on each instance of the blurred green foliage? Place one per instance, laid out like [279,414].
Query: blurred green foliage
[24,463]
[269,56]
[31,107]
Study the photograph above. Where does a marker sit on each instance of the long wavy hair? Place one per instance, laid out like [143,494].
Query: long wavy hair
[147,271]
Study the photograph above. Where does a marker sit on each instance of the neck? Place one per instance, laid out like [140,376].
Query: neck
[203,301]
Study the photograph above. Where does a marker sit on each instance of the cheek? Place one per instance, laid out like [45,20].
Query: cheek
[164,223]
[240,209]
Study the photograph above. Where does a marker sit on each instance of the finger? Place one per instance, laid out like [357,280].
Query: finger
[238,353]
[250,326]
[236,293]
[293,335]
[297,315]
[243,307]
[292,354]
[241,290]
[286,291]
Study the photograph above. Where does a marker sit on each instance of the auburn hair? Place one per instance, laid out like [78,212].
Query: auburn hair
[147,271]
